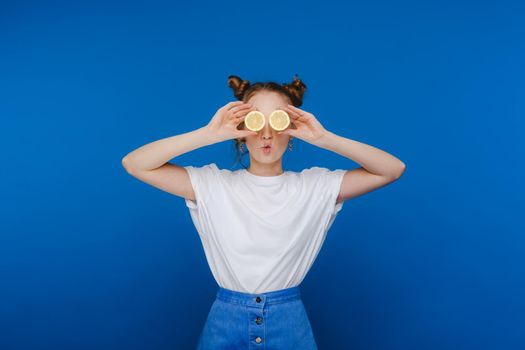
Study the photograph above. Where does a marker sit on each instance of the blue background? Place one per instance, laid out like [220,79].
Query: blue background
[92,258]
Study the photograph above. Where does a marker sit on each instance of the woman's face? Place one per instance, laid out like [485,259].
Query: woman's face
[267,102]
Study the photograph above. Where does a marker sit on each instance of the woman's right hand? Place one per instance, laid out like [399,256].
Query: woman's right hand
[223,125]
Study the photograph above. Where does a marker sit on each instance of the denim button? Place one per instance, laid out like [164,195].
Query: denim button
[258,299]
[258,320]
[258,340]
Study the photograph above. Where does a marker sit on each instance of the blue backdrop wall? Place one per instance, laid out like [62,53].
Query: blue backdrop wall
[92,258]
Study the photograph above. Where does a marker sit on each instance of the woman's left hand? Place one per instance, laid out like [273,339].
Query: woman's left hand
[308,129]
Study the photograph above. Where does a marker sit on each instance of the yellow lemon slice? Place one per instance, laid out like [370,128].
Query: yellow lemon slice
[279,120]
[254,121]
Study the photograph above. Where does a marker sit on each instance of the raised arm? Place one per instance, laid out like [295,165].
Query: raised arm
[150,163]
[378,168]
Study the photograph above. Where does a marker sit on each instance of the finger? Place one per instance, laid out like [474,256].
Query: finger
[245,133]
[239,115]
[237,111]
[243,109]
[235,105]
[292,112]
[298,110]
[229,105]
[298,119]
[290,132]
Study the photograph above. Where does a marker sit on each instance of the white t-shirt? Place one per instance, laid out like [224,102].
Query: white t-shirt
[262,233]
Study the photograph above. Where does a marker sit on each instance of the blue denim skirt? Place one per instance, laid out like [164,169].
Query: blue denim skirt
[275,320]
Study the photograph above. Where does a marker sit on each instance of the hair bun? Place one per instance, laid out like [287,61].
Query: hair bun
[238,85]
[296,90]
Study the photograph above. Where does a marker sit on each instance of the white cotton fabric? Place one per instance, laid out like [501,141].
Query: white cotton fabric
[262,233]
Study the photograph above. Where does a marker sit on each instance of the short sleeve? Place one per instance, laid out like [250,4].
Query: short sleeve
[202,182]
[334,179]
[328,182]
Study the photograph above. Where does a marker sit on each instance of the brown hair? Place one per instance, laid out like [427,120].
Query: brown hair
[243,90]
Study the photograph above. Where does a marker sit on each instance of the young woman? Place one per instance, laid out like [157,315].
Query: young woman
[261,227]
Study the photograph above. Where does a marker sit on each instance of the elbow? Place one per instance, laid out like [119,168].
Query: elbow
[396,173]
[400,171]
[126,164]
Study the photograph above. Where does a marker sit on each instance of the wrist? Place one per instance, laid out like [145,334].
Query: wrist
[209,137]
[324,139]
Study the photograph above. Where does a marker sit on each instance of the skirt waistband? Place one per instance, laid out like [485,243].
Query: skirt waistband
[259,299]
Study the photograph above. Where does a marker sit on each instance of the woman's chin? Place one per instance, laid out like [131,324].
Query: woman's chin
[267,158]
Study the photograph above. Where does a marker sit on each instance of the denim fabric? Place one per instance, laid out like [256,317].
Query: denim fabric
[275,320]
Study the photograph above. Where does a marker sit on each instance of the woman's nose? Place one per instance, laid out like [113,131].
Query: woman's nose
[267,130]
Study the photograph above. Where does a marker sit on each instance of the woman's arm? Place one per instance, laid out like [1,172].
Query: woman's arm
[372,159]
[157,153]
[150,163]
[378,168]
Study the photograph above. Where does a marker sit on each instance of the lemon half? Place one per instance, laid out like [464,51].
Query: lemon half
[254,121]
[279,120]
